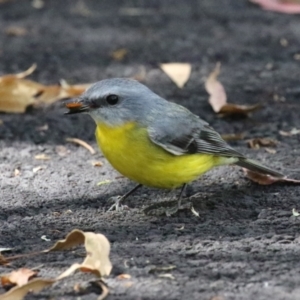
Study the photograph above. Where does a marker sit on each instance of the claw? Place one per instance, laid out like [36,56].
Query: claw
[116,206]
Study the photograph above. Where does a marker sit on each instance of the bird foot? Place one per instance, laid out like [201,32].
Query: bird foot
[168,208]
[117,206]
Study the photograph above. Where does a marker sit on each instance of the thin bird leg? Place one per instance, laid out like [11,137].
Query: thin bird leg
[119,199]
[180,195]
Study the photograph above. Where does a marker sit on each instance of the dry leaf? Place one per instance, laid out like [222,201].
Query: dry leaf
[97,249]
[218,98]
[17,172]
[119,54]
[283,6]
[215,89]
[19,277]
[96,262]
[256,143]
[81,143]
[264,179]
[97,163]
[123,276]
[42,157]
[271,151]
[17,93]
[179,73]
[294,131]
[16,31]
[19,292]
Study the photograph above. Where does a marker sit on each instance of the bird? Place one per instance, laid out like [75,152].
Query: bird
[152,141]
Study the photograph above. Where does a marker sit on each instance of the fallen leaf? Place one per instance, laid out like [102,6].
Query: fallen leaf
[218,97]
[294,131]
[119,54]
[271,151]
[19,277]
[19,292]
[179,73]
[38,168]
[42,157]
[17,172]
[97,163]
[81,143]
[264,179]
[97,249]
[123,276]
[16,31]
[283,6]
[256,143]
[17,93]
[215,89]
[295,213]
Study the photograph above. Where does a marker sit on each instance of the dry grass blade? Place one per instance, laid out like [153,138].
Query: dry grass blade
[264,179]
[179,73]
[81,143]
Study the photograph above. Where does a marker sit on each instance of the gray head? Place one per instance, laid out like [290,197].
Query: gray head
[117,101]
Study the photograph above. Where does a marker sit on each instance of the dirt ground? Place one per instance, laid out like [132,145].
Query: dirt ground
[246,243]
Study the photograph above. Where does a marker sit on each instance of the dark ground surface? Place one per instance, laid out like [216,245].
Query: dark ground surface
[246,243]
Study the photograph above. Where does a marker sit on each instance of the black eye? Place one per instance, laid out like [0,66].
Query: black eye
[112,99]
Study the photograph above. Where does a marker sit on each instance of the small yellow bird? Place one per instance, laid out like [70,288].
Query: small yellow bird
[152,141]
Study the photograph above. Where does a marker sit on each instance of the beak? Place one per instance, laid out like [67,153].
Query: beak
[77,105]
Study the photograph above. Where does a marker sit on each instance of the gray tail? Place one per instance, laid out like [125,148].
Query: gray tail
[255,166]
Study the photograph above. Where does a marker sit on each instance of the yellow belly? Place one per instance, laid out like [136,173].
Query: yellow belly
[130,151]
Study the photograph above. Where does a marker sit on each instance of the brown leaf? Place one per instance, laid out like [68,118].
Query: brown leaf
[97,249]
[256,143]
[218,98]
[17,93]
[19,277]
[19,292]
[179,73]
[283,6]
[264,179]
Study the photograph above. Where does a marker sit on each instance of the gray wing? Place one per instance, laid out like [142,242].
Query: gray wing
[189,135]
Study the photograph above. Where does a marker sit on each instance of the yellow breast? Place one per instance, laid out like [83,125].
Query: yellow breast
[131,152]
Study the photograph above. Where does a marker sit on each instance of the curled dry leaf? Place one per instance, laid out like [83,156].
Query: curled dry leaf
[218,97]
[264,179]
[256,143]
[96,262]
[97,248]
[17,93]
[19,277]
[283,6]
[81,143]
[179,73]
